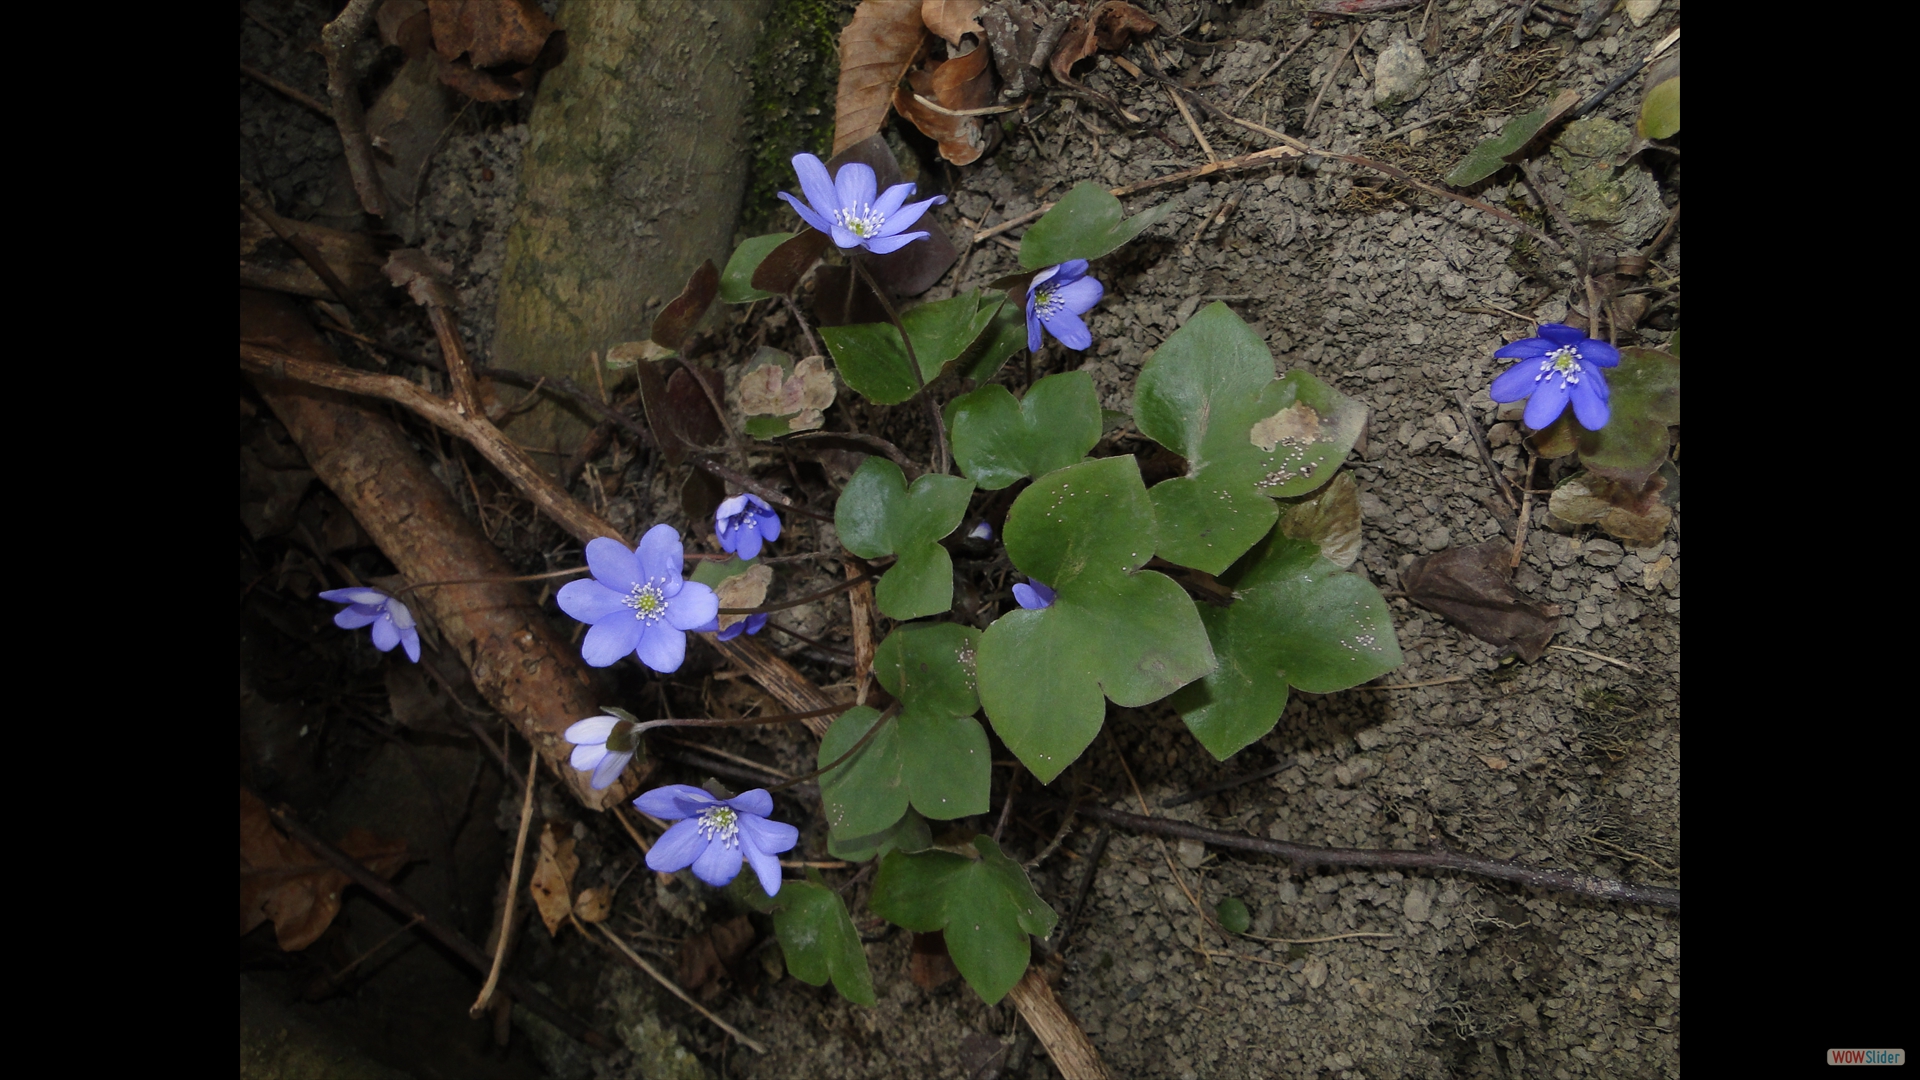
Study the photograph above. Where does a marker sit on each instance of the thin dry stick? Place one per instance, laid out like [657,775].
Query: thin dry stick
[738,1035]
[336,42]
[1526,510]
[340,976]
[992,110]
[1318,940]
[485,1001]
[1185,113]
[1635,668]
[1314,108]
[1271,68]
[913,365]
[633,832]
[1416,685]
[296,96]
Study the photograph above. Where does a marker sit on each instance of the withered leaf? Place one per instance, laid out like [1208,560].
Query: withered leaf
[875,49]
[841,298]
[1469,586]
[690,410]
[951,19]
[653,402]
[715,953]
[744,591]
[1557,110]
[768,390]
[1638,517]
[677,319]
[913,269]
[958,84]
[395,19]
[281,880]
[700,494]
[1330,520]
[785,265]
[424,277]
[594,905]
[628,353]
[1113,26]
[552,881]
[490,32]
[930,965]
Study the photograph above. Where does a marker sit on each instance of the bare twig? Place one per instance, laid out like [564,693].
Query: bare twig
[913,365]
[627,951]
[485,1001]
[337,42]
[1306,855]
[1185,113]
[1332,73]
[1271,68]
[293,95]
[1628,665]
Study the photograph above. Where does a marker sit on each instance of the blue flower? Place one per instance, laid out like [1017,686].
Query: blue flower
[845,209]
[392,622]
[637,601]
[1561,364]
[1033,596]
[752,624]
[714,835]
[982,531]
[1056,299]
[604,744]
[742,522]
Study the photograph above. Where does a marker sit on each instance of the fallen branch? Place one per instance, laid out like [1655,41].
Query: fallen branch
[523,992]
[337,42]
[1306,855]
[1072,1052]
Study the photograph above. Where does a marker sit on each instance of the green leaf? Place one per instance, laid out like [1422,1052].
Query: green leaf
[1645,401]
[711,574]
[1490,156]
[873,360]
[1113,630]
[1086,224]
[987,907]
[1209,395]
[768,427]
[1232,913]
[736,281]
[1004,336]
[910,833]
[819,941]
[878,514]
[1297,619]
[745,892]
[1660,113]
[934,755]
[997,440]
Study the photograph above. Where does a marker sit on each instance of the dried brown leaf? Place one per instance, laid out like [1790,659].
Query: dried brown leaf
[1112,27]
[594,905]
[1639,517]
[280,880]
[875,49]
[405,23]
[490,32]
[840,298]
[423,276]
[952,18]
[960,84]
[552,881]
[930,965]
[744,590]
[1330,520]
[785,265]
[628,353]
[678,318]
[1469,586]
[690,409]
[709,956]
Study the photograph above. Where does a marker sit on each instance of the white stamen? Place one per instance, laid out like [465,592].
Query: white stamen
[720,822]
[861,220]
[648,603]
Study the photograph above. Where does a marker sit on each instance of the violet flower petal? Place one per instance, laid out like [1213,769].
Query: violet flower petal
[757,802]
[1516,382]
[587,755]
[674,801]
[594,729]
[882,245]
[718,865]
[385,635]
[908,214]
[410,641]
[610,769]
[1589,407]
[609,640]
[1549,400]
[1595,351]
[746,543]
[353,618]
[806,213]
[590,602]
[660,647]
[1562,334]
[661,554]
[854,186]
[694,607]
[1066,326]
[677,848]
[816,184]
[1525,349]
[613,565]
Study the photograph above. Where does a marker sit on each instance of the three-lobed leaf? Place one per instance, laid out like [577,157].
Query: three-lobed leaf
[997,440]
[987,907]
[1644,403]
[736,281]
[872,358]
[1209,395]
[819,940]
[910,833]
[878,514]
[1113,630]
[1086,223]
[933,755]
[1297,619]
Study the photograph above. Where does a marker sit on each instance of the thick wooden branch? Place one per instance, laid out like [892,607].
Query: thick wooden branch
[1072,1052]
[526,671]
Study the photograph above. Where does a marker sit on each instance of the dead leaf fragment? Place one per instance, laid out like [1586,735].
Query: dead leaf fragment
[1638,518]
[282,881]
[552,881]
[744,590]
[1114,26]
[683,312]
[1469,587]
[951,19]
[629,353]
[1329,520]
[1296,424]
[875,49]
[594,905]
[956,85]
[490,32]
[708,956]
[768,390]
[930,964]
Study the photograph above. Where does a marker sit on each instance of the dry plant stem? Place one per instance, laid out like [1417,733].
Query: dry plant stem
[1206,917]
[1072,1052]
[289,92]
[485,1001]
[991,110]
[336,44]
[484,581]
[1305,855]
[522,991]
[1635,668]
[1244,161]
[892,710]
[674,987]
[1319,940]
[502,453]
[1443,680]
[524,669]
[813,343]
[783,605]
[1526,510]
[258,205]
[341,976]
[1486,455]
[1006,808]
[777,677]
[913,365]
[1271,68]
[1332,73]
[1185,113]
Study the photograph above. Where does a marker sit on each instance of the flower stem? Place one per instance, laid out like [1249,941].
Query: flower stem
[913,365]
[745,721]
[851,750]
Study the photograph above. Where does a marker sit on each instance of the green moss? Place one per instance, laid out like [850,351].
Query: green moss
[795,74]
